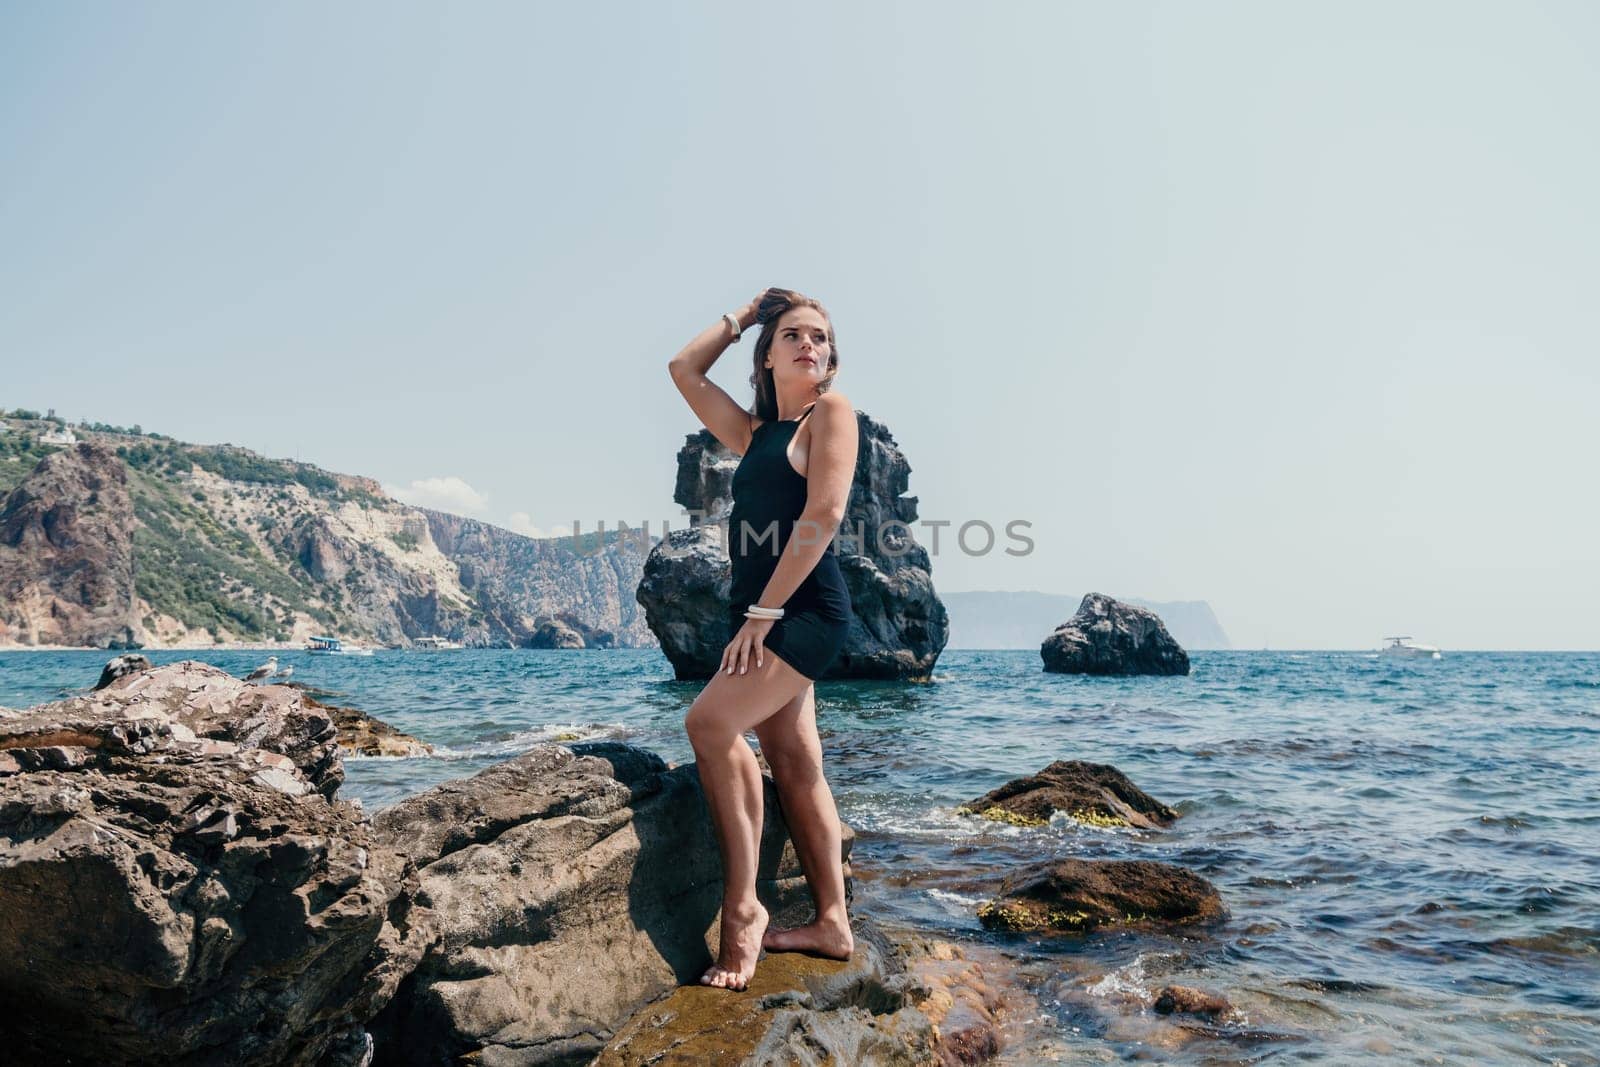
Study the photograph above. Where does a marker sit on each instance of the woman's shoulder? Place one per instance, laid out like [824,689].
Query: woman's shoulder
[834,404]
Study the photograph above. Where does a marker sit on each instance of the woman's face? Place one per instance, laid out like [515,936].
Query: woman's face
[800,351]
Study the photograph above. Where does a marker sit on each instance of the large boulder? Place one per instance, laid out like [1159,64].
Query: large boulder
[1093,793]
[900,624]
[566,887]
[66,554]
[1107,636]
[1072,896]
[177,890]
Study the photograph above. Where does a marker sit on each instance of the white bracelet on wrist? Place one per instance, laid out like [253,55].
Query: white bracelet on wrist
[756,611]
[733,323]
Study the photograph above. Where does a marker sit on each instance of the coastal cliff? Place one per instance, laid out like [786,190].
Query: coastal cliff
[116,539]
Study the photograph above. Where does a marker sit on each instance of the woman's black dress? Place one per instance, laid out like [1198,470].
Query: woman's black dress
[768,496]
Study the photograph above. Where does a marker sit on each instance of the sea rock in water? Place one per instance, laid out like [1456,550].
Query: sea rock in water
[900,626]
[66,554]
[121,667]
[168,895]
[1074,896]
[1186,1000]
[184,704]
[1107,636]
[554,633]
[1094,793]
[565,887]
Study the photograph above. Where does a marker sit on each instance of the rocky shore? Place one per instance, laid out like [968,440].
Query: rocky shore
[181,881]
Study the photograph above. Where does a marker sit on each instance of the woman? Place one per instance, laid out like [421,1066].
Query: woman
[789,613]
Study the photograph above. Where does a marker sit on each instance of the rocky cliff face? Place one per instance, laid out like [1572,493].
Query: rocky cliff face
[522,581]
[144,541]
[66,553]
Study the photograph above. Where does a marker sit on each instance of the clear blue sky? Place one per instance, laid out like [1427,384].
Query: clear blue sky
[1289,307]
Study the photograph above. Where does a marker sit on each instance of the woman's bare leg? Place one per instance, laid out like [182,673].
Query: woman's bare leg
[729,705]
[793,750]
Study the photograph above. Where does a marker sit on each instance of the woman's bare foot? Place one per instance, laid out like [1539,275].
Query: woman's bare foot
[742,931]
[825,937]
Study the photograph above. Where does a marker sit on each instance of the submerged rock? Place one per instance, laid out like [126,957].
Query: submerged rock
[900,626]
[1186,1000]
[1075,896]
[1093,793]
[565,888]
[1107,636]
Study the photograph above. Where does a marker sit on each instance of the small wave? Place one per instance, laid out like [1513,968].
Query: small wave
[1138,979]
[962,904]
[522,740]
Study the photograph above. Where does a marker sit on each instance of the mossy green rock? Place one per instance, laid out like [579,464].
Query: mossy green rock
[1075,896]
[1096,794]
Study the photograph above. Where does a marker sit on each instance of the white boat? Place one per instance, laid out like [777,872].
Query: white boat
[1402,646]
[434,644]
[332,646]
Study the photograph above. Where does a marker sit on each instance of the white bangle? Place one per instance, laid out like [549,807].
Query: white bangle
[733,323]
[756,611]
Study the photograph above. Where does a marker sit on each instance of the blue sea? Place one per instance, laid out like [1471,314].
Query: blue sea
[1410,850]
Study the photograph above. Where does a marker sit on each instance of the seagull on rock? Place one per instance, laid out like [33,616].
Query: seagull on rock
[263,671]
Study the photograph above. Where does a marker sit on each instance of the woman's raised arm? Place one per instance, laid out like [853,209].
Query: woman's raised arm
[719,412]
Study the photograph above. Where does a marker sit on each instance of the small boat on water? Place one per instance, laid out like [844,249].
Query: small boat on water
[434,644]
[1402,646]
[332,646]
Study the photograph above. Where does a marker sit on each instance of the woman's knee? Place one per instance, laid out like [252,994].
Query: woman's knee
[704,725]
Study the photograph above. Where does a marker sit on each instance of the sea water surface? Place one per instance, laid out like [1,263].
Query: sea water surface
[1409,850]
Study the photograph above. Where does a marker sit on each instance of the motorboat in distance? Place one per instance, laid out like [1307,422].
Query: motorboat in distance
[332,646]
[435,644]
[1402,646]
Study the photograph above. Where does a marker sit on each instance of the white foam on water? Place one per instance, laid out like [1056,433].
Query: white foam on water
[1132,979]
[522,740]
[959,904]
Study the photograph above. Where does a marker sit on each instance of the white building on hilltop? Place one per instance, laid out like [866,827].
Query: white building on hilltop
[63,436]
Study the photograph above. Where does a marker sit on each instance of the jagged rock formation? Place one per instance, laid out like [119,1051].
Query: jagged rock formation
[525,582]
[66,554]
[1094,793]
[1075,896]
[1107,636]
[171,892]
[900,627]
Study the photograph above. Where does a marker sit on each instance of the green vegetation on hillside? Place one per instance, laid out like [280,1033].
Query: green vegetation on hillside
[19,453]
[205,574]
